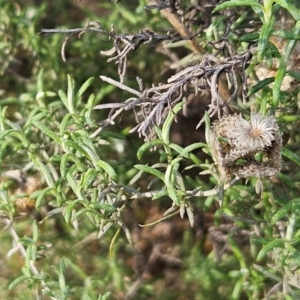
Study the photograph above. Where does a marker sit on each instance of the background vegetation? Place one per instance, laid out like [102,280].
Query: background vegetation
[78,184]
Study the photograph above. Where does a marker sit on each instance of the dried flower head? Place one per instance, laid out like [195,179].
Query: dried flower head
[257,133]
[246,148]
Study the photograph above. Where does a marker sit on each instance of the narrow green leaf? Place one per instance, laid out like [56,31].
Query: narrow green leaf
[135,178]
[190,213]
[40,276]
[295,253]
[286,179]
[195,159]
[108,169]
[104,297]
[13,125]
[286,34]
[175,147]
[17,281]
[147,146]
[153,182]
[234,3]
[292,9]
[55,158]
[173,194]
[21,136]
[284,210]
[127,14]
[26,241]
[283,63]
[237,251]
[126,231]
[91,153]
[168,122]
[88,178]
[82,211]
[62,272]
[40,95]
[175,162]
[70,96]
[249,37]
[55,211]
[110,134]
[89,105]
[288,119]
[74,146]
[49,94]
[170,176]
[192,147]
[33,252]
[41,196]
[260,85]
[207,127]
[28,258]
[269,247]
[63,97]
[264,36]
[64,164]
[65,123]
[43,168]
[26,270]
[236,293]
[35,230]
[293,74]
[163,156]
[69,210]
[5,133]
[291,155]
[150,170]
[158,132]
[261,240]
[72,183]
[36,114]
[103,206]
[267,273]
[83,88]
[160,194]
[277,84]
[47,131]
[265,100]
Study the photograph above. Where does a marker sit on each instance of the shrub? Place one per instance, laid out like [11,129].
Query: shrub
[223,219]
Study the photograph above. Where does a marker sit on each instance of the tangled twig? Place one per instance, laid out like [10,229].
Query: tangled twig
[123,44]
[157,101]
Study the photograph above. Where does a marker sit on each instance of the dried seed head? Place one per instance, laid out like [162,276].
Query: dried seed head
[256,134]
[246,148]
